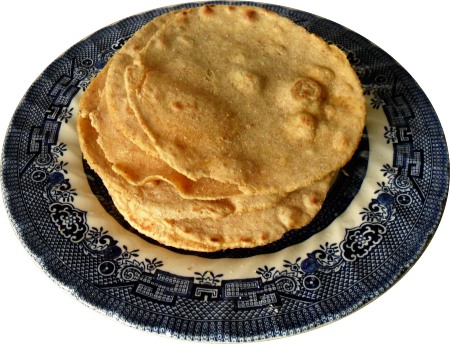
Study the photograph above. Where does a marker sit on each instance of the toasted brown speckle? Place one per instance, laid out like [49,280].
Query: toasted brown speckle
[314,200]
[137,47]
[170,221]
[208,10]
[251,15]
[305,88]
[182,19]
[306,120]
[177,105]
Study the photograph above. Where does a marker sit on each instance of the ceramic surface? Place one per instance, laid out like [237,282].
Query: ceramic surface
[378,218]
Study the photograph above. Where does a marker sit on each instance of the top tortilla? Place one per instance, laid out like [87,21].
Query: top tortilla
[124,143]
[115,95]
[135,165]
[244,96]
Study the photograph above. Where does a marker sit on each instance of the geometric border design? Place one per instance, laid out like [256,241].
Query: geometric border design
[326,284]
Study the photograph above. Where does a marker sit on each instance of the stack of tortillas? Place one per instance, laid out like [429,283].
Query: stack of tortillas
[221,127]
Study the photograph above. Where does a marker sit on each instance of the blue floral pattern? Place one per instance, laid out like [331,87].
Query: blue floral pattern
[358,241]
[328,258]
[71,222]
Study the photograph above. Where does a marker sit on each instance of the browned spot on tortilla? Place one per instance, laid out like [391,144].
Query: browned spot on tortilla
[170,221]
[306,88]
[177,106]
[314,200]
[250,15]
[208,10]
[215,239]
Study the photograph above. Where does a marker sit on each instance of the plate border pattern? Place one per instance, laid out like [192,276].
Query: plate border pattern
[278,291]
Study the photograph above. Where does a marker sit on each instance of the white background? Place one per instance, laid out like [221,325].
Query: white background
[34,309]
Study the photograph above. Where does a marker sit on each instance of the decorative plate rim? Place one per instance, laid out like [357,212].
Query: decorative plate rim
[12,195]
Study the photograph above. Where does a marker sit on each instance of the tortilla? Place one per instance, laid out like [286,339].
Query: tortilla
[134,164]
[116,96]
[244,96]
[124,143]
[158,199]
[138,167]
[245,230]
[221,126]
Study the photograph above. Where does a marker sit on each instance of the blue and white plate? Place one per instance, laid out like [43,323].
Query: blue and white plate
[379,217]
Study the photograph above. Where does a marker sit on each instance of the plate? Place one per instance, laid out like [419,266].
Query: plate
[378,219]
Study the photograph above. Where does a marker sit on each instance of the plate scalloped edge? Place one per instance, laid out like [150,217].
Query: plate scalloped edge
[396,225]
